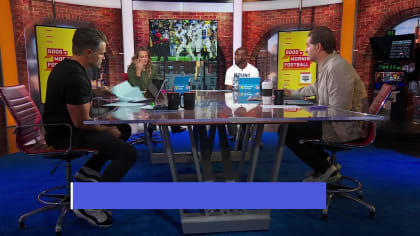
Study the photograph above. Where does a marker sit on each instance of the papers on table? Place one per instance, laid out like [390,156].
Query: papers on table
[124,104]
[147,107]
[130,104]
[125,92]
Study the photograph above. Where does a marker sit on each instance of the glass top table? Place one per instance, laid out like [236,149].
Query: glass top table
[226,107]
[213,110]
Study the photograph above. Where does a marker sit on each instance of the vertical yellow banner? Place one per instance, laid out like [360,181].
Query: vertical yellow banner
[53,45]
[294,68]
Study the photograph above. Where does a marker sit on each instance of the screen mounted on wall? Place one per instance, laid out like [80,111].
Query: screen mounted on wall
[183,40]
[393,48]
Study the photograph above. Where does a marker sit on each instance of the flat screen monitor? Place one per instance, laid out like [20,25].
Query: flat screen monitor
[393,48]
[183,40]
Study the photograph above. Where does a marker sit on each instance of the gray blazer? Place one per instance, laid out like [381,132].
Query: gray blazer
[337,85]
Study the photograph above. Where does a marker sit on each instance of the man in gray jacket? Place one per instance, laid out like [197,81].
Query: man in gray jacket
[337,85]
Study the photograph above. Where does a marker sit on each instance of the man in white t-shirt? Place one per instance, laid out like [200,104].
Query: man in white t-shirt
[241,69]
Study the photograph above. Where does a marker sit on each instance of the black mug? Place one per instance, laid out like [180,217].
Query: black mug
[278,97]
[188,100]
[173,100]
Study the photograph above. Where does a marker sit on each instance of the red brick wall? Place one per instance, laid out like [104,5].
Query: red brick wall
[259,26]
[224,29]
[27,13]
[375,17]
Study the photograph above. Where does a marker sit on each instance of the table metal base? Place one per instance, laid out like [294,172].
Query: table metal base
[187,157]
[212,221]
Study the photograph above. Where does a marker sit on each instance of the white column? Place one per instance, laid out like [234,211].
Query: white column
[237,26]
[127,31]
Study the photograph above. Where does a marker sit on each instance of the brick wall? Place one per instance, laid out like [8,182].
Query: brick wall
[259,26]
[224,30]
[27,13]
[375,17]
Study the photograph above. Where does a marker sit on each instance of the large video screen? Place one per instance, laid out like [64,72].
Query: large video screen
[183,40]
[393,48]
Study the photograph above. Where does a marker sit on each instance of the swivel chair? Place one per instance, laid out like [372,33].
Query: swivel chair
[349,187]
[30,140]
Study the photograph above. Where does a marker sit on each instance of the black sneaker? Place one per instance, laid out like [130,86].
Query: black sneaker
[108,213]
[177,129]
[86,174]
[94,217]
[135,141]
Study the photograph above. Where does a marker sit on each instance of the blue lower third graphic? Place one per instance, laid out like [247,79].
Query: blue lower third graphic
[203,195]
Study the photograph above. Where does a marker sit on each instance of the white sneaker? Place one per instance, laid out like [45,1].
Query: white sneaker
[94,217]
[332,171]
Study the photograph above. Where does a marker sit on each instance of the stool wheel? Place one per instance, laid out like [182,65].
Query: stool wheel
[21,225]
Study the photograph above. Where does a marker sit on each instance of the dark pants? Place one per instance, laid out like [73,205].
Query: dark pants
[233,131]
[312,155]
[122,155]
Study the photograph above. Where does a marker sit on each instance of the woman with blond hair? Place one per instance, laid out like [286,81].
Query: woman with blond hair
[141,71]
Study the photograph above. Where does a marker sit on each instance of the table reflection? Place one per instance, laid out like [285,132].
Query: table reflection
[218,107]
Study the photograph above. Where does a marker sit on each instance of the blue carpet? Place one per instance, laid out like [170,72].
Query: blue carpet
[391,181]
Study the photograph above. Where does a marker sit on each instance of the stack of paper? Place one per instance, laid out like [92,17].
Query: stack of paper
[125,92]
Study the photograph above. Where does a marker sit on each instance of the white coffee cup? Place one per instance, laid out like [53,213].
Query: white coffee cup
[266,92]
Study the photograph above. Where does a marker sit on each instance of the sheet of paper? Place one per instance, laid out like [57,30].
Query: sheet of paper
[124,104]
[147,107]
[125,92]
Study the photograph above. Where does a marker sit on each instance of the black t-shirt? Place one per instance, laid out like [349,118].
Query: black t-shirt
[68,83]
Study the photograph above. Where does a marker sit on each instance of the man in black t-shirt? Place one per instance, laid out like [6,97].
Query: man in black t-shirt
[68,100]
